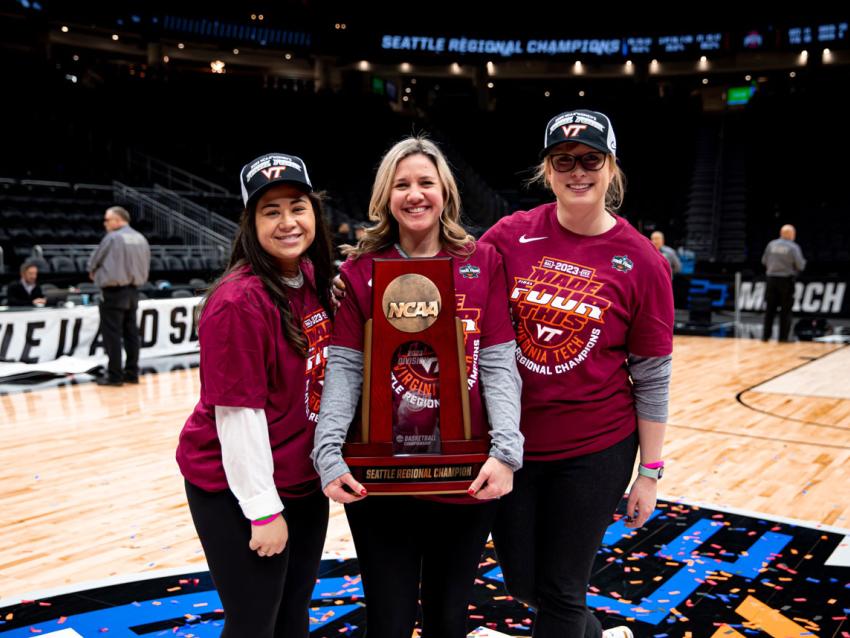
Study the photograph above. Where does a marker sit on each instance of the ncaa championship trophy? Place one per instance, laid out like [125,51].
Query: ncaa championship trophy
[413,302]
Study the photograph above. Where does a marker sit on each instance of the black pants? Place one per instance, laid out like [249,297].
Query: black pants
[402,541]
[263,597]
[117,323]
[548,530]
[779,292]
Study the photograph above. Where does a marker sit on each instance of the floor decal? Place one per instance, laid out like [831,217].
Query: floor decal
[690,572]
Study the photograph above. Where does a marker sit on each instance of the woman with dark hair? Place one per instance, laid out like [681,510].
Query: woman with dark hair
[245,450]
[593,313]
[428,547]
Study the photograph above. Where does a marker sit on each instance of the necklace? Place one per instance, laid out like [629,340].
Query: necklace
[404,254]
[294,282]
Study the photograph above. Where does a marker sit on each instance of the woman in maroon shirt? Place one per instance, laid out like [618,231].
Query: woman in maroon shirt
[592,308]
[264,328]
[422,548]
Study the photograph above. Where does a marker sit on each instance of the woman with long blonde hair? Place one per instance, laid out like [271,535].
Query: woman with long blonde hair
[430,543]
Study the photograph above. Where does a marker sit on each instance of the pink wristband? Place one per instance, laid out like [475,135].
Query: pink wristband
[266,520]
[653,466]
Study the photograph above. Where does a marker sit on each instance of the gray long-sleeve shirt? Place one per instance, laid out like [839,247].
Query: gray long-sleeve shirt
[500,383]
[122,258]
[651,379]
[671,256]
[783,258]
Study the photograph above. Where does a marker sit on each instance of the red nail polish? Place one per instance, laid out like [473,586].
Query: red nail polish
[470,491]
[363,492]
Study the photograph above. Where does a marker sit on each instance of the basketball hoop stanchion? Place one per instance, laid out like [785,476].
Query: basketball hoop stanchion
[413,301]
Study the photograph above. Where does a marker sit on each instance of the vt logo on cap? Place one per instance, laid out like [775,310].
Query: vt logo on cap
[273,173]
[573,129]
[274,168]
[590,128]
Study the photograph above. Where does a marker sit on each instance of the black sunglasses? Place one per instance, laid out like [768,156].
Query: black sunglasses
[564,162]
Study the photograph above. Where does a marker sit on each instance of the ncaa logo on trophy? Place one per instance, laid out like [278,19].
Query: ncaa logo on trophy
[412,303]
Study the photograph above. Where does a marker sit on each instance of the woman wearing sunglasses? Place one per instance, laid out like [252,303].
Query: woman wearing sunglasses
[593,312]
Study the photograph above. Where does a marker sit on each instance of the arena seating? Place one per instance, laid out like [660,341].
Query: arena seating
[718,182]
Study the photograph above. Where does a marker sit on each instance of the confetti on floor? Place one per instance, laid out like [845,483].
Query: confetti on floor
[688,572]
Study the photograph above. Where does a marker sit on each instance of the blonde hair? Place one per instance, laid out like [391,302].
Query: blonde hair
[616,187]
[384,232]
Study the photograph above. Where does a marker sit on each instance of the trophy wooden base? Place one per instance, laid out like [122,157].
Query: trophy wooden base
[381,473]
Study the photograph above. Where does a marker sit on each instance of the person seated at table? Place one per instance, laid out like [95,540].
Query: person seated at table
[26,291]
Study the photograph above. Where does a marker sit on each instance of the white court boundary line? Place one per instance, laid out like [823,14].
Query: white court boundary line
[769,386]
[189,569]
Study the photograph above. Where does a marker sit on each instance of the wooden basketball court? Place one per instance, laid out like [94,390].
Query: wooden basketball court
[91,489]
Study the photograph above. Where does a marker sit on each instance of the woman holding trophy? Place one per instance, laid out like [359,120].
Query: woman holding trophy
[431,542]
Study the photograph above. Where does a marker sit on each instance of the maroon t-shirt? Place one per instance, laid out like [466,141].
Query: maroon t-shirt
[482,308]
[580,306]
[247,362]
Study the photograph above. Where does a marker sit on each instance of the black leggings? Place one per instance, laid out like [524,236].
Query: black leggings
[548,530]
[263,597]
[402,540]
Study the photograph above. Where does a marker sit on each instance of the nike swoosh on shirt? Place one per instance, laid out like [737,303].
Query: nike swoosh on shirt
[525,240]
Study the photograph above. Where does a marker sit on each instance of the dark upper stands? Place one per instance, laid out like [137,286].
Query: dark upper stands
[780,159]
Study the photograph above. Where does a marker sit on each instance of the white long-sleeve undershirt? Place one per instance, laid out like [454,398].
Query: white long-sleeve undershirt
[247,457]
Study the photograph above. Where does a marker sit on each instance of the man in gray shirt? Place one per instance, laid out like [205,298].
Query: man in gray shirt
[784,261]
[119,265]
[669,254]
